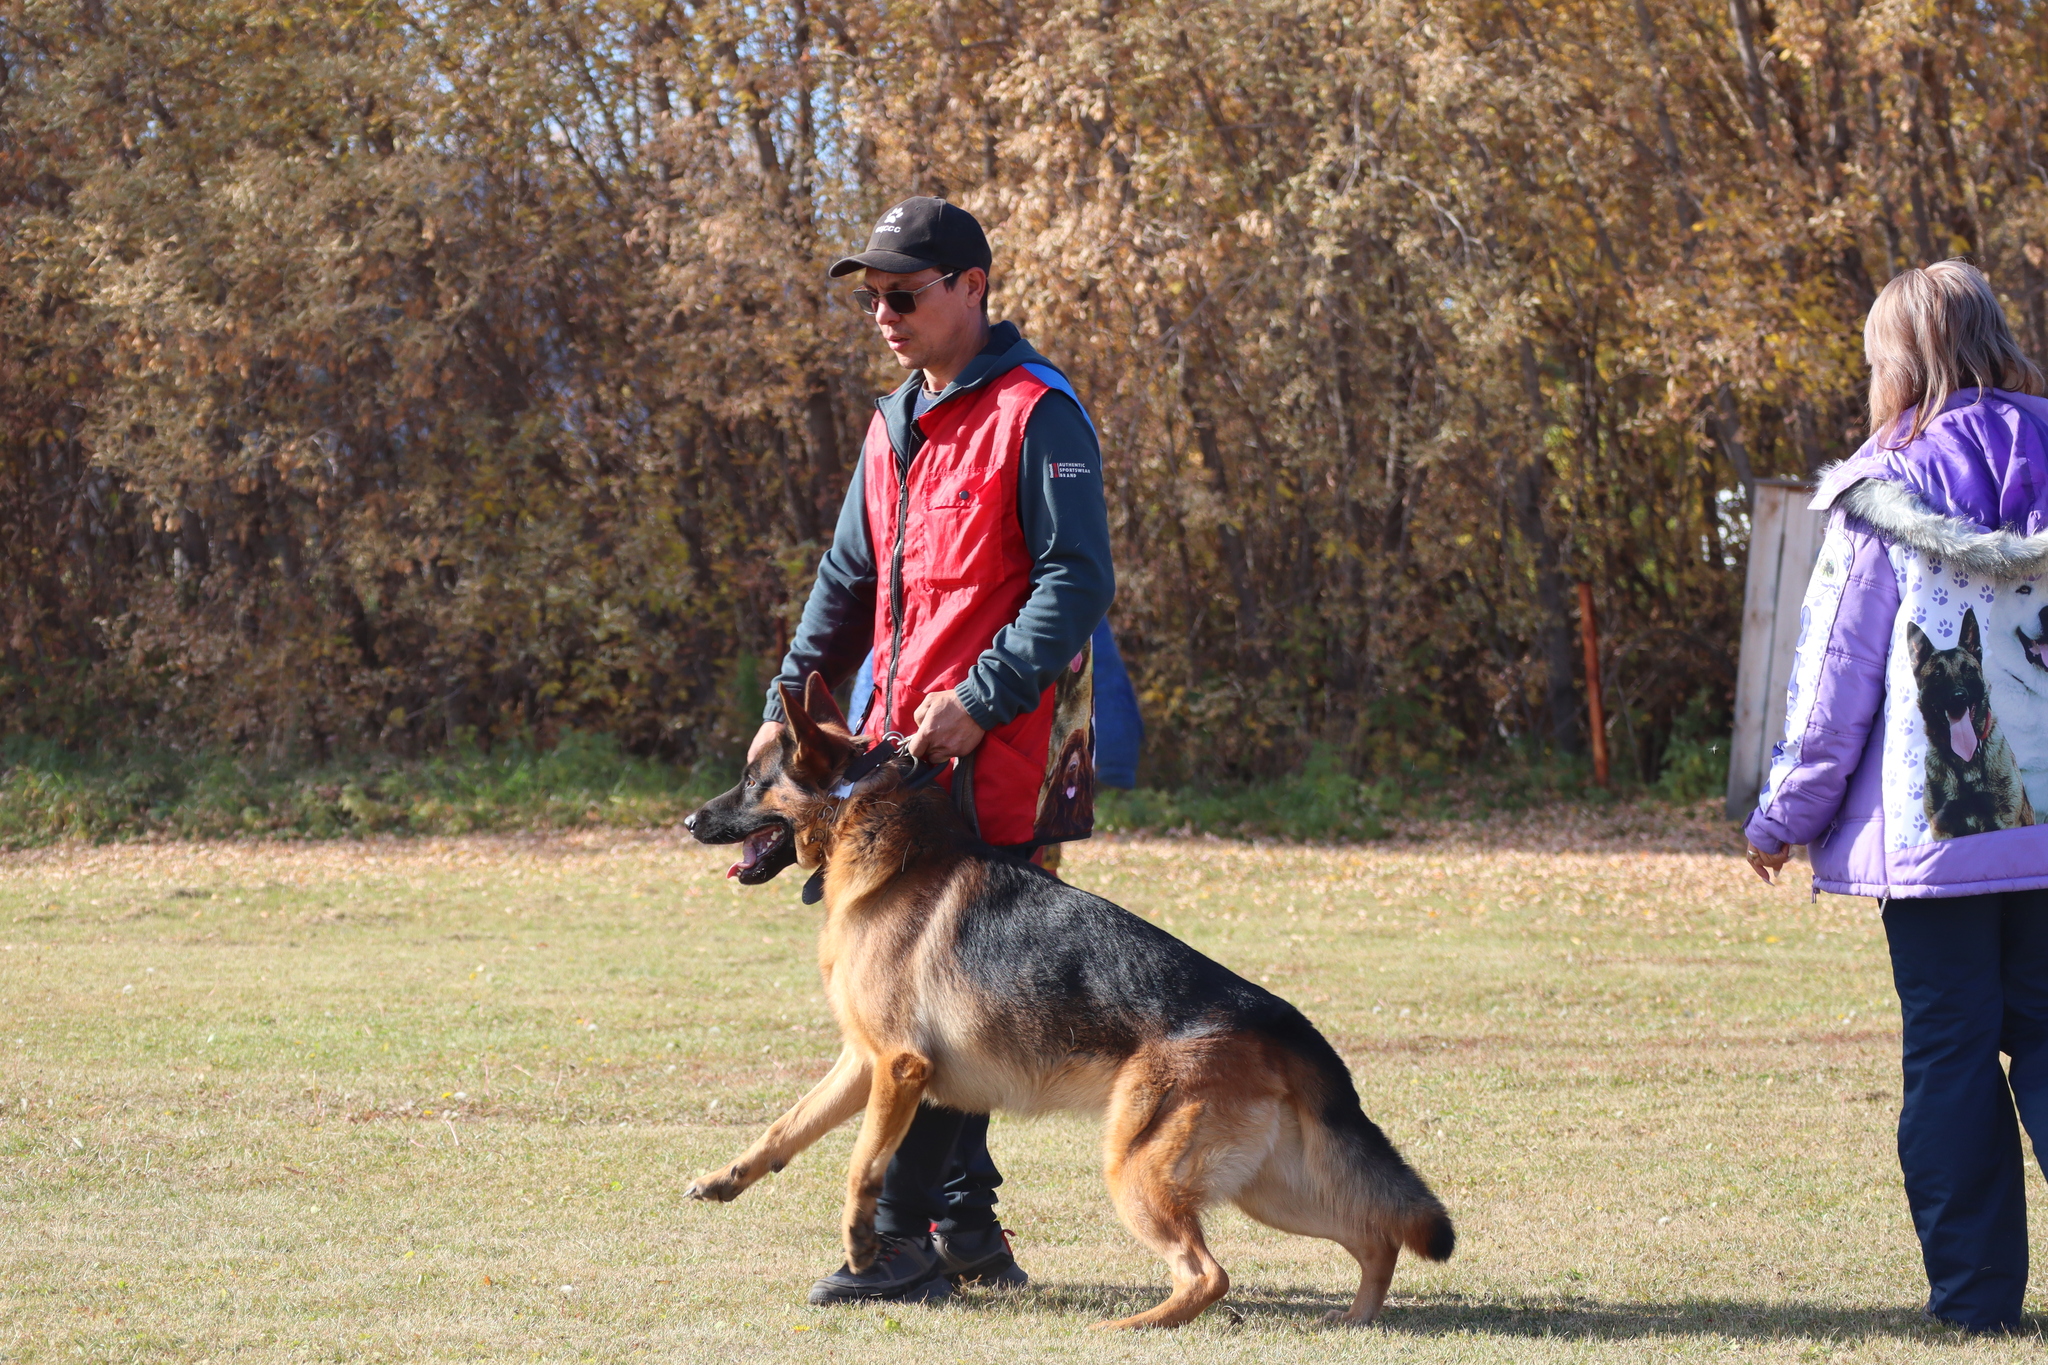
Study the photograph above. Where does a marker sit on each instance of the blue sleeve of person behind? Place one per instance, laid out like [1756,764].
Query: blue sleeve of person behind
[1119,729]
[1053,379]
[863,693]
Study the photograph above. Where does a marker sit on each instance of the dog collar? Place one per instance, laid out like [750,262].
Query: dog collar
[874,756]
[864,762]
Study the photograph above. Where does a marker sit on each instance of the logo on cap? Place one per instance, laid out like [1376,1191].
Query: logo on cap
[888,223]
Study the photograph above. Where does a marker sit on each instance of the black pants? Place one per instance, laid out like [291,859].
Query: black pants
[941,1174]
[1972,973]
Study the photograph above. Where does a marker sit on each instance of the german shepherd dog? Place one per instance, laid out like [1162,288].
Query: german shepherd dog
[968,978]
[1973,783]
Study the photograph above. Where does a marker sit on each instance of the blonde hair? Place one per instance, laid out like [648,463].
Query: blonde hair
[1932,332]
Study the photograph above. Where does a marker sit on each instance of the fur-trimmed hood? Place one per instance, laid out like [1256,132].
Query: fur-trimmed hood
[1899,514]
[1972,490]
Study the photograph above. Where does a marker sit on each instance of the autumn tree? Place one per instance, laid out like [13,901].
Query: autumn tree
[386,374]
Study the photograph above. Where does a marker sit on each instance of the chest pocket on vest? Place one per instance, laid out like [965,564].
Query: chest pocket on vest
[963,527]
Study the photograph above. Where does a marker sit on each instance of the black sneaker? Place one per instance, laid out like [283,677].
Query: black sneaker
[981,1258]
[906,1270]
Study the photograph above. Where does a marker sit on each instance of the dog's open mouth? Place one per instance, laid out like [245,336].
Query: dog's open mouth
[2035,650]
[763,853]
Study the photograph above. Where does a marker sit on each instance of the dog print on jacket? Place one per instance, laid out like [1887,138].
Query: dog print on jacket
[2016,673]
[1967,742]
[1973,782]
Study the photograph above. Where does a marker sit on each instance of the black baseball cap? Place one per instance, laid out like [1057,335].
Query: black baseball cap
[920,234]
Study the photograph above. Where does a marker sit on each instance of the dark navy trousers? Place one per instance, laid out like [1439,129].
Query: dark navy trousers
[941,1174]
[1972,974]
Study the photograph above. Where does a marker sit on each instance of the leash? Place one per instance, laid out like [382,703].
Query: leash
[884,750]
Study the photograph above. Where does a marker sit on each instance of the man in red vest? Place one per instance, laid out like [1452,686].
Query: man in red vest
[972,557]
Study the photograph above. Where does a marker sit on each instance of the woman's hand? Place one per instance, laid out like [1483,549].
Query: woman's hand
[1767,863]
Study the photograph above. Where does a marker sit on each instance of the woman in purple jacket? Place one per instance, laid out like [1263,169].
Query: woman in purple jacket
[1915,757]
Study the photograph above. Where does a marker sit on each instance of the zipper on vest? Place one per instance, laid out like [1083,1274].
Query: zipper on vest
[896,574]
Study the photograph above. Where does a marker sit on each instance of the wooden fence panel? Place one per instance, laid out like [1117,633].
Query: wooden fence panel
[1784,542]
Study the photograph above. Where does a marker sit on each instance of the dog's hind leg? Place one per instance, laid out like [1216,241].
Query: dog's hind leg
[831,1102]
[1155,1169]
[899,1081]
[1376,1257]
[1302,1190]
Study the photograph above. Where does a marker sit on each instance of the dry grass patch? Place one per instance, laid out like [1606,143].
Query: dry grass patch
[438,1098]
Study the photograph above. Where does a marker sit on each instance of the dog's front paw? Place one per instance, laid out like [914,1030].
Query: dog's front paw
[719,1187]
[862,1245]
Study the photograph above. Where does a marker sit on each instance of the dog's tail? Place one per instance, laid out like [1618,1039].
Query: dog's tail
[1353,1160]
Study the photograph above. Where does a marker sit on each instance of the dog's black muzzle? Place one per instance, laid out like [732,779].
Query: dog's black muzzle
[767,843]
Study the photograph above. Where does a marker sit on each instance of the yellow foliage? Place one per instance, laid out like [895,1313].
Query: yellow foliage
[380,371]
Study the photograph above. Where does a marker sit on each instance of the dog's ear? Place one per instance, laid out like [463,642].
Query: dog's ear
[801,726]
[1919,646]
[1970,641]
[818,700]
[811,739]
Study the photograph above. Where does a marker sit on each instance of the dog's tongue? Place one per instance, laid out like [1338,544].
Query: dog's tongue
[751,849]
[1962,737]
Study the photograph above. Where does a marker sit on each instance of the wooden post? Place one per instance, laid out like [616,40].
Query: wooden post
[1596,714]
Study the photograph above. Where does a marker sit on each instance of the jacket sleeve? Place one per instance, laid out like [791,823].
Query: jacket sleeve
[838,625]
[1837,687]
[1066,529]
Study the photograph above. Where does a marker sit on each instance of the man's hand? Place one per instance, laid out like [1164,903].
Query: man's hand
[763,737]
[1764,864]
[944,729]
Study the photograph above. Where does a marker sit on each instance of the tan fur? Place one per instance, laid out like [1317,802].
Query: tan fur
[1187,1122]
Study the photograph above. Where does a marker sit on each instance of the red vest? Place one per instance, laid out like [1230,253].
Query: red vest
[966,574]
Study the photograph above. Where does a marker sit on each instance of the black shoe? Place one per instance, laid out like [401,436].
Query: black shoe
[906,1270]
[981,1258]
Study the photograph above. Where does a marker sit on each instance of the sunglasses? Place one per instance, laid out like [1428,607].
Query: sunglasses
[899,300]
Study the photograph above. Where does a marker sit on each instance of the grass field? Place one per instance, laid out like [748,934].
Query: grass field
[437,1099]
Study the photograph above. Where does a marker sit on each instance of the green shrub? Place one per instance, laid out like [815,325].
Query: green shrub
[49,793]
[1322,801]
[1695,764]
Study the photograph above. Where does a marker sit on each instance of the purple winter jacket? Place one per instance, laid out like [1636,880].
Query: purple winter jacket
[1915,757]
